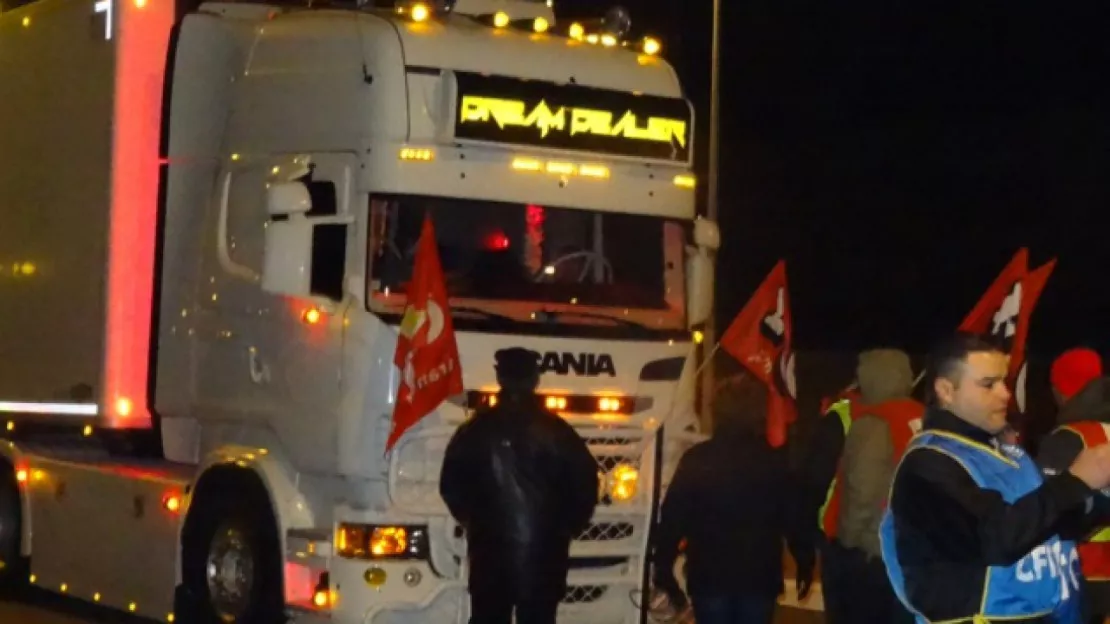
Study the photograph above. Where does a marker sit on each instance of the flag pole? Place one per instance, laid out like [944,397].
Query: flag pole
[706,372]
[707,359]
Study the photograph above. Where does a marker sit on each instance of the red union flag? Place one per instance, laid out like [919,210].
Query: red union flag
[1032,286]
[759,338]
[1005,311]
[1001,301]
[427,354]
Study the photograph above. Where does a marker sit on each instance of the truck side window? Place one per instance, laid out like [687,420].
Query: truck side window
[329,256]
[329,241]
[324,201]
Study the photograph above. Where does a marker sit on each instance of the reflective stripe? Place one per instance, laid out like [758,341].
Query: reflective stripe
[1094,552]
[1091,433]
[69,409]
[843,409]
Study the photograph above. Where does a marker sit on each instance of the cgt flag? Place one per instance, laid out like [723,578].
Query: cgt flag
[759,338]
[427,354]
[1005,311]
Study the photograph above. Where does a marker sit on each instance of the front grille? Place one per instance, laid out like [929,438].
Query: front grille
[613,441]
[607,532]
[583,594]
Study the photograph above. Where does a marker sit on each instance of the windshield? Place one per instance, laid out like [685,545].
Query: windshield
[528,258]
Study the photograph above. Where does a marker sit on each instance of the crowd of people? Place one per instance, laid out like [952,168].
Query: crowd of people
[915,511]
[918,511]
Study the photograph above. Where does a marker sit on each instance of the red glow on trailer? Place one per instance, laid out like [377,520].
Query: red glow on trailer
[22,473]
[142,36]
[534,215]
[497,241]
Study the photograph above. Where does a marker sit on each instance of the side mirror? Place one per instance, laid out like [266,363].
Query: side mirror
[287,268]
[706,234]
[699,286]
[287,198]
[306,241]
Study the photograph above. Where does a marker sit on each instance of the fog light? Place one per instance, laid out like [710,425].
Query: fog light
[323,597]
[623,482]
[609,404]
[555,403]
[388,541]
[374,577]
[413,577]
[420,12]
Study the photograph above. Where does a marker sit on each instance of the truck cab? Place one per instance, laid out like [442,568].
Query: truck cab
[301,149]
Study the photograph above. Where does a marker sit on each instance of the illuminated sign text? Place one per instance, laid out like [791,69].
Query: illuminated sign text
[569,117]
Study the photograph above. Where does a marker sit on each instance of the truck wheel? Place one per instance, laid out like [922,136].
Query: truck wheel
[232,563]
[13,572]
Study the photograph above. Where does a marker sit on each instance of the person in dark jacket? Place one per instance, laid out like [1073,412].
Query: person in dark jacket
[1083,421]
[523,484]
[729,500]
[973,532]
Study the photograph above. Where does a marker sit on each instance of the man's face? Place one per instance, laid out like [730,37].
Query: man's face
[979,394]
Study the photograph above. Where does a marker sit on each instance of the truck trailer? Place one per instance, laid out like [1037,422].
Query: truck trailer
[208,217]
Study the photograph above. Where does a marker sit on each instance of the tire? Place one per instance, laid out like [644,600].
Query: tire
[231,556]
[16,567]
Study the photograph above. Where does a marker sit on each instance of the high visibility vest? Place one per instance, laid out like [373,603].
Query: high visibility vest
[1045,581]
[1094,554]
[903,417]
[829,512]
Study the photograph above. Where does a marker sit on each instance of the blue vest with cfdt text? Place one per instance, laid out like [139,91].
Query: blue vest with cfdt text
[1045,581]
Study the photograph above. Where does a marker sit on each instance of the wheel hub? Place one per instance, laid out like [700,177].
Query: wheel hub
[230,573]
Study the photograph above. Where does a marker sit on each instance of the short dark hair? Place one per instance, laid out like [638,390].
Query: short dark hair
[740,405]
[949,354]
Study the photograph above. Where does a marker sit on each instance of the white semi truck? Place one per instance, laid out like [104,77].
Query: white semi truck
[208,216]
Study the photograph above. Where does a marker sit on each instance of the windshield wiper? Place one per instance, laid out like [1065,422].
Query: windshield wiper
[485,314]
[550,316]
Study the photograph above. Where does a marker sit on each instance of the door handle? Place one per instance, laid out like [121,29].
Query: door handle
[260,372]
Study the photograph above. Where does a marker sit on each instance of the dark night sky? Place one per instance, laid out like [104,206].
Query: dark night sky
[897,154]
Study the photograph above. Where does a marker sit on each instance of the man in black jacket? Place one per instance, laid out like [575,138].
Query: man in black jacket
[973,532]
[730,500]
[523,484]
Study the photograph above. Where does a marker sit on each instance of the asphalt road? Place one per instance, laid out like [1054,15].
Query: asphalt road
[46,610]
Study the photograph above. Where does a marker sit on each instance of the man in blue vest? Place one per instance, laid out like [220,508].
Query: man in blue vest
[973,532]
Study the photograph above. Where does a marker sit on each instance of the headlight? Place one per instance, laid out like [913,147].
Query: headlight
[623,480]
[389,541]
[365,541]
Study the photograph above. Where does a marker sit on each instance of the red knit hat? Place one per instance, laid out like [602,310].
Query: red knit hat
[1074,369]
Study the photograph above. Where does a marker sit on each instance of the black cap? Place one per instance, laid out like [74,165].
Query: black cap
[517,363]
